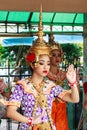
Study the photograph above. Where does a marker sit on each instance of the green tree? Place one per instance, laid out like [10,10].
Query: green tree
[72,52]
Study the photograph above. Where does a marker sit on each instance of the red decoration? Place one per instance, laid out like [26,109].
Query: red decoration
[72,84]
[30,121]
[30,57]
[85,87]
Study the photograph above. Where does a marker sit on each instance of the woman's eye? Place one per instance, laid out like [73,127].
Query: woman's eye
[59,55]
[41,63]
[48,64]
[53,55]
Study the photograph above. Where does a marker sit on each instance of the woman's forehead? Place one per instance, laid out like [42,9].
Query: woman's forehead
[44,57]
[56,51]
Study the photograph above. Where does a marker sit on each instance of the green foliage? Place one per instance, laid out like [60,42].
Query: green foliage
[72,53]
[15,53]
[72,50]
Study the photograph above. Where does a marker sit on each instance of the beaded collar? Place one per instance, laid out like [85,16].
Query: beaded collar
[58,78]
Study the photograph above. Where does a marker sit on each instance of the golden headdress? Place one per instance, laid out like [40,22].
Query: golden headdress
[39,46]
[54,45]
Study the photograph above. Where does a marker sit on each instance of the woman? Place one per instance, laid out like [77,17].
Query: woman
[35,94]
[59,113]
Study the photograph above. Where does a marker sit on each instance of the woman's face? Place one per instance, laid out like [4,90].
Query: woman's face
[43,65]
[55,57]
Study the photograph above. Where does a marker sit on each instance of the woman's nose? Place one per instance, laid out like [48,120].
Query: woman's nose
[44,66]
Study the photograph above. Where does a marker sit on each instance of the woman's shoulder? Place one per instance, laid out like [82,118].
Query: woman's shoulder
[23,81]
[27,86]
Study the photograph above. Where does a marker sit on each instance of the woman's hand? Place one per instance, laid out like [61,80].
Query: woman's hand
[38,119]
[71,74]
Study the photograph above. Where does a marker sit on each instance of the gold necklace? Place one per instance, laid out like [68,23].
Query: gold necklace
[42,102]
[41,99]
[56,78]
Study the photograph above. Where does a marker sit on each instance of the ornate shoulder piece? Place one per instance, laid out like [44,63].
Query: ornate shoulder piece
[28,87]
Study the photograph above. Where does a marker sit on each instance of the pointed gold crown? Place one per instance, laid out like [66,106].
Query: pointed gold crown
[54,45]
[39,46]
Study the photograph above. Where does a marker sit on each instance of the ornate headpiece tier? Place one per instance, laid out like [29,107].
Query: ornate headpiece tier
[54,45]
[39,46]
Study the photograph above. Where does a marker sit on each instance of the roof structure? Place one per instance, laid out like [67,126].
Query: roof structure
[16,22]
[79,6]
[22,18]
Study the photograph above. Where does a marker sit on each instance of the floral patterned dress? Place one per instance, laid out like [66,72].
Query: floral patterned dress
[24,95]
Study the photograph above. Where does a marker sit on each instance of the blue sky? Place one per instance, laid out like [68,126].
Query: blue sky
[28,41]
[69,38]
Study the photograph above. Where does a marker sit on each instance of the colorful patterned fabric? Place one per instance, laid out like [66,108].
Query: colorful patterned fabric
[59,115]
[23,97]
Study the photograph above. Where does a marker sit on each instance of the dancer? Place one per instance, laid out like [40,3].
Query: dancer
[59,113]
[35,94]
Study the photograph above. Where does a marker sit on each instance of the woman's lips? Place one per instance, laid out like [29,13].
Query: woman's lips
[45,71]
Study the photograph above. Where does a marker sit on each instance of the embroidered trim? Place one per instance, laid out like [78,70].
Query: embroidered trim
[14,103]
[63,93]
[4,102]
[29,88]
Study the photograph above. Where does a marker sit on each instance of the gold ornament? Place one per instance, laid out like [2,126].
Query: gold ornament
[54,45]
[59,82]
[39,46]
[41,100]
[44,126]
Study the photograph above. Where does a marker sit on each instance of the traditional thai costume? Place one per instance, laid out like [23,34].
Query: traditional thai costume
[25,96]
[59,111]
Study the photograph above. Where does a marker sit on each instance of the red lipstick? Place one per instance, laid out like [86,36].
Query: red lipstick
[45,71]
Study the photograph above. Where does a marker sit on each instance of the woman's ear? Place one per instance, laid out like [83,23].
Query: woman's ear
[32,65]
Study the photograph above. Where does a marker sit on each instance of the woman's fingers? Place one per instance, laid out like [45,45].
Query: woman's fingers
[38,119]
[71,73]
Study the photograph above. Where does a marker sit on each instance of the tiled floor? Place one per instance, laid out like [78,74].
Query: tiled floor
[5,126]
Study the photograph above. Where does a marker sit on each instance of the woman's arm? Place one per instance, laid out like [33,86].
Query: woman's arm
[15,102]
[72,96]
[15,115]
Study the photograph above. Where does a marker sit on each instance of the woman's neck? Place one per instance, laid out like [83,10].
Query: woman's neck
[36,79]
[54,70]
